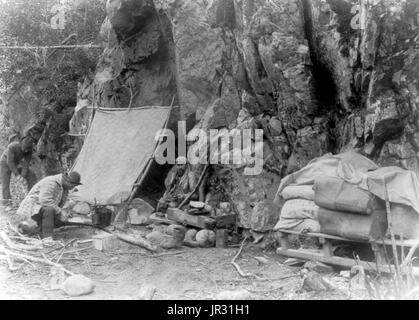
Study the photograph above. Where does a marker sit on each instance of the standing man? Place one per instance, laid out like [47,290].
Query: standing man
[42,207]
[16,159]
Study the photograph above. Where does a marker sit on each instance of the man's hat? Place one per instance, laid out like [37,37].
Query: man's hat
[73,177]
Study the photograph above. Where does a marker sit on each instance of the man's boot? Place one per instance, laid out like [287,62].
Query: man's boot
[29,227]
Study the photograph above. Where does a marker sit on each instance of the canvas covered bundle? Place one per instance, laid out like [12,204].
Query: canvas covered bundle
[352,226]
[402,185]
[350,191]
[337,194]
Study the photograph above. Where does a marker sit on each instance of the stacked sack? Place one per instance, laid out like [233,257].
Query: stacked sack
[299,212]
[332,206]
[344,194]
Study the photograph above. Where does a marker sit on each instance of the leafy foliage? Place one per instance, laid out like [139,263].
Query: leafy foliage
[37,78]
[53,73]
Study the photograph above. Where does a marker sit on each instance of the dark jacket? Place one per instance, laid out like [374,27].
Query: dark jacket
[14,155]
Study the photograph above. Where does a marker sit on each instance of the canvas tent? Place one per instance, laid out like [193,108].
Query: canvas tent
[116,151]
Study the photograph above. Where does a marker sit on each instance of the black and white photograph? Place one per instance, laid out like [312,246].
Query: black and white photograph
[209,153]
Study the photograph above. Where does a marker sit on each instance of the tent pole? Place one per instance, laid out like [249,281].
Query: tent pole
[121,217]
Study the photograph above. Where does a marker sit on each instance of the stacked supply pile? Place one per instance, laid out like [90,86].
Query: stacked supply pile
[344,195]
[297,191]
[335,207]
[299,212]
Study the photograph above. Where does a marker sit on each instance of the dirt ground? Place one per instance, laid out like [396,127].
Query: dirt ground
[185,274]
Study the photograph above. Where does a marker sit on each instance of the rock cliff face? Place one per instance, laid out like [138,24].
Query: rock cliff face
[371,52]
[316,76]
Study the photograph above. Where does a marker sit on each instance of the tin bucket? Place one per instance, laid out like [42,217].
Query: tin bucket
[102,217]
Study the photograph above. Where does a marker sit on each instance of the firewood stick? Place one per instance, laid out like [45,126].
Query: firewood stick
[202,188]
[34,241]
[410,254]
[21,236]
[46,258]
[412,293]
[278,278]
[165,254]
[34,259]
[233,262]
[393,241]
[78,250]
[28,262]
[14,246]
[52,250]
[201,178]
[137,241]
[261,279]
[60,256]
[63,250]
[9,262]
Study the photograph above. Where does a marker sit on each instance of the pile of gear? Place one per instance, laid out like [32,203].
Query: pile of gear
[204,226]
[345,195]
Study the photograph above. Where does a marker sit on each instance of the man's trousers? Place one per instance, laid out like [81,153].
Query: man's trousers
[47,220]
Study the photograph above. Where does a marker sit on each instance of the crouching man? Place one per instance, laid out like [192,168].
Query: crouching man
[43,205]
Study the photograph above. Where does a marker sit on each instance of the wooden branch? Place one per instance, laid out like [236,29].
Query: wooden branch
[22,236]
[412,293]
[132,96]
[75,134]
[393,242]
[339,261]
[34,259]
[406,243]
[233,262]
[165,254]
[78,250]
[144,254]
[11,245]
[201,178]
[279,278]
[9,262]
[409,256]
[60,254]
[137,241]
